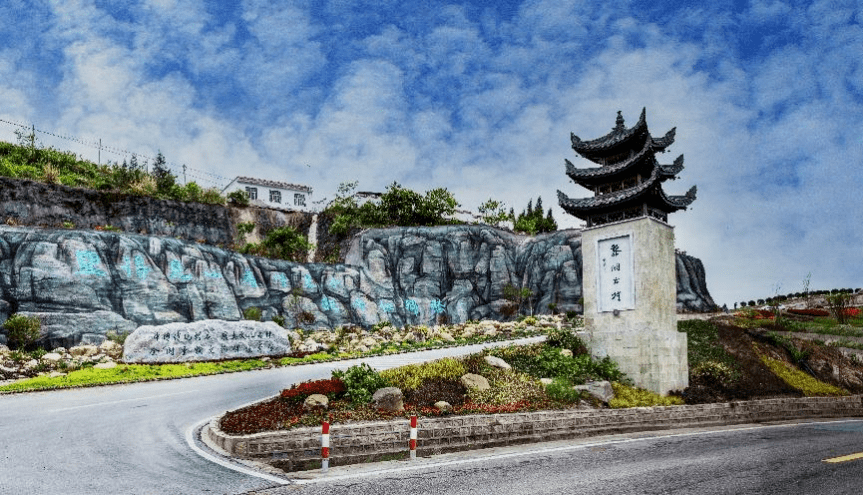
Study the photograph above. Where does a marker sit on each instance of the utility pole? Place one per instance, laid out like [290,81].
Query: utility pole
[99,155]
[184,174]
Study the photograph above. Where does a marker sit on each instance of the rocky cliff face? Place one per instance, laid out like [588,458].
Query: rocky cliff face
[82,284]
[31,203]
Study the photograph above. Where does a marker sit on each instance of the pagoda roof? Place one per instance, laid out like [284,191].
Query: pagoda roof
[671,171]
[649,191]
[643,159]
[596,149]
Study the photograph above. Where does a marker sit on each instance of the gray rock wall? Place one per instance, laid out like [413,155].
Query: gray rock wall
[32,203]
[83,283]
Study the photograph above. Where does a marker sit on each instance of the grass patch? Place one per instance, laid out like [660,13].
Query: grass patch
[800,380]
[848,344]
[626,396]
[131,373]
[706,353]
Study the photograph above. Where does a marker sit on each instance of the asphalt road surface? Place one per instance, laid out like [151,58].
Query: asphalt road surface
[132,439]
[756,459]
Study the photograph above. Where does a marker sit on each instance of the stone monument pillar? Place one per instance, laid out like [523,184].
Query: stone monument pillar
[630,302]
[629,277]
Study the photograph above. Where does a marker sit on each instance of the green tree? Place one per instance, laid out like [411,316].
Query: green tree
[531,220]
[493,212]
[165,180]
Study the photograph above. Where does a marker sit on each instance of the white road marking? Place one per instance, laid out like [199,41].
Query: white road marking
[98,404]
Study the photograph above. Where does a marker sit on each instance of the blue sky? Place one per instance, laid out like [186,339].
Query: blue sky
[480,98]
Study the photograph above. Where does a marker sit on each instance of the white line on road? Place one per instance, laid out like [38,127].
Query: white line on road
[96,404]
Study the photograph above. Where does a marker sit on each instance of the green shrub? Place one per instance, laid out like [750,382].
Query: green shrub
[361,382]
[117,336]
[22,332]
[212,196]
[239,197]
[703,346]
[561,390]
[253,313]
[412,376]
[565,339]
[279,320]
[543,361]
[626,396]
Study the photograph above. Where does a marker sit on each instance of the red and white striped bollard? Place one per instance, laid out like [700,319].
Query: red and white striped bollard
[413,441]
[325,446]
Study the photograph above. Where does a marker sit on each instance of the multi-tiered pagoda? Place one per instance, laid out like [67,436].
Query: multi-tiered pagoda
[628,182]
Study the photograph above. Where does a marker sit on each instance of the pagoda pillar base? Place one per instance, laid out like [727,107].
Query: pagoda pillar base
[630,302]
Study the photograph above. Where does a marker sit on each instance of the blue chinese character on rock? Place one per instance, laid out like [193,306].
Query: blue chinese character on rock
[213,274]
[411,306]
[437,306]
[328,304]
[308,282]
[141,268]
[249,279]
[177,271]
[334,284]
[280,279]
[387,307]
[88,263]
[359,304]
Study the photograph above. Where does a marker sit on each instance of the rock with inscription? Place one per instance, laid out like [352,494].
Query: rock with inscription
[206,340]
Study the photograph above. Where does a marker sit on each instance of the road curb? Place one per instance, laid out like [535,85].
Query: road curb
[299,449]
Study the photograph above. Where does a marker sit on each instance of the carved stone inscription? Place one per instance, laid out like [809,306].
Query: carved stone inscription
[206,340]
[615,284]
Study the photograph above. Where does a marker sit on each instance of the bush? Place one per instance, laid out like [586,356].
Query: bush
[118,337]
[565,339]
[361,382]
[253,313]
[22,332]
[239,197]
[279,320]
[626,396]
[561,390]
[212,196]
[838,305]
[412,376]
[437,389]
[507,387]
[332,388]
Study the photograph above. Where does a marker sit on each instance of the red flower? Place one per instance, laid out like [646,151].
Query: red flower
[330,388]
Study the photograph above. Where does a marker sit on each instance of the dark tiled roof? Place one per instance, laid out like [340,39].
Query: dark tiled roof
[617,135]
[680,201]
[576,206]
[671,171]
[606,170]
[272,183]
[665,141]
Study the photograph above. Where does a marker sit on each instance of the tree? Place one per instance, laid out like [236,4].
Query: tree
[165,180]
[532,222]
[493,212]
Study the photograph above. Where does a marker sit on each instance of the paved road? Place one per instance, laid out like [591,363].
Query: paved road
[757,459]
[131,439]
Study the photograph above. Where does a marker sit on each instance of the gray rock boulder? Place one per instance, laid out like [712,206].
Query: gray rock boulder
[599,389]
[443,406]
[389,399]
[497,362]
[472,380]
[316,402]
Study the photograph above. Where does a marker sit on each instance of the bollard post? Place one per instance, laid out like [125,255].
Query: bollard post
[325,446]
[413,441]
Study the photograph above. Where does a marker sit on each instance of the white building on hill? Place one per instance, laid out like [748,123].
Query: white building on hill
[273,194]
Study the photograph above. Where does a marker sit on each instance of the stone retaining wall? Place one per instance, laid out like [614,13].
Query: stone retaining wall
[299,449]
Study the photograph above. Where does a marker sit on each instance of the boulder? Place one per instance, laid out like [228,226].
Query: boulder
[84,351]
[443,406]
[4,350]
[446,336]
[111,349]
[316,402]
[546,381]
[602,390]
[497,362]
[471,380]
[389,399]
[52,357]
[566,353]
[105,366]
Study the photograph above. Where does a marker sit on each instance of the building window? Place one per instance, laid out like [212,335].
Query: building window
[253,192]
[275,196]
[299,200]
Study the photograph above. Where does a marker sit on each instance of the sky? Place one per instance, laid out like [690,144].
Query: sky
[479,98]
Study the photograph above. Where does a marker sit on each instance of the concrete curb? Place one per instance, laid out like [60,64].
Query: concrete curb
[299,449]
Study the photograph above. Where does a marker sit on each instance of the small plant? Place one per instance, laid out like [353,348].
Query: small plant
[561,390]
[361,382]
[626,396]
[253,313]
[22,332]
[553,308]
[117,336]
[565,339]
[838,304]
[412,376]
[68,225]
[279,320]
[239,197]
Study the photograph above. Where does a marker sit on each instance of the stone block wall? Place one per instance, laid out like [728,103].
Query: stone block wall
[299,448]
